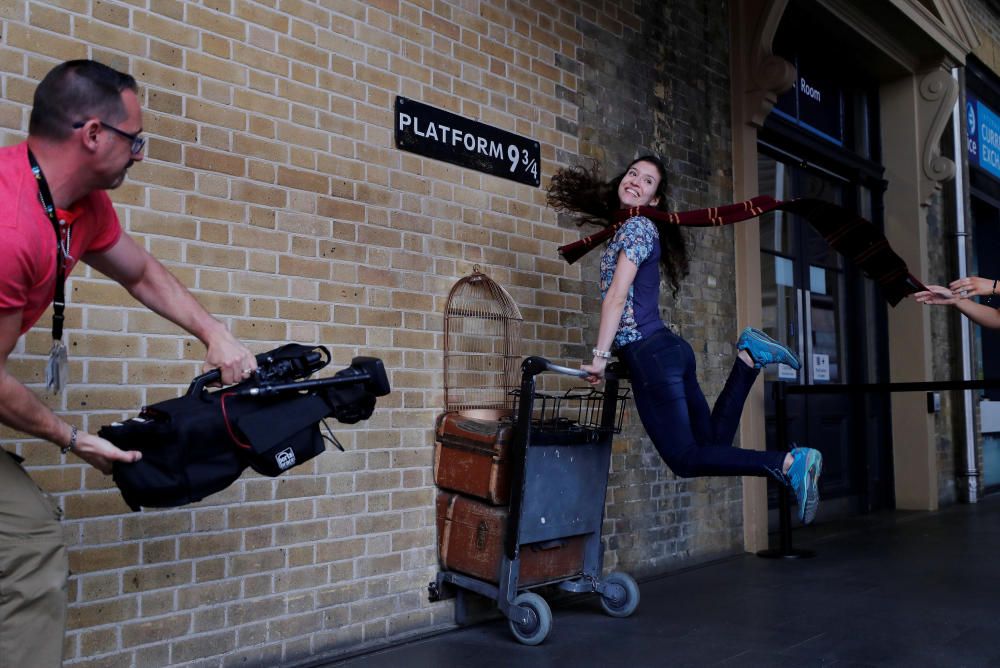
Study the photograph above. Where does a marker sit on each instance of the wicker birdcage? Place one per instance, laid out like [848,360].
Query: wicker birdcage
[482,348]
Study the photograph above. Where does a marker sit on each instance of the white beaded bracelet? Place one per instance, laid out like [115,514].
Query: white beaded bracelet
[603,354]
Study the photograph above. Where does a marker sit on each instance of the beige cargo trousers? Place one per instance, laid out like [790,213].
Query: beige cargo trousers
[33,572]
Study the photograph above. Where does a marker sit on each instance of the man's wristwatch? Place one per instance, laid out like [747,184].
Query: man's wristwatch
[72,441]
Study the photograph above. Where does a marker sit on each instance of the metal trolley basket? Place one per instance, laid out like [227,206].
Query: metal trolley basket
[560,456]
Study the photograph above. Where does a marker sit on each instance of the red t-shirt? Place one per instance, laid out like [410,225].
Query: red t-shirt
[28,243]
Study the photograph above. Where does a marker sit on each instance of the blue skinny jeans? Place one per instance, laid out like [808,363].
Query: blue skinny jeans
[692,440]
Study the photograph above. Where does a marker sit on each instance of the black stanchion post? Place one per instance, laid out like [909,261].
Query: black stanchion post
[784,549]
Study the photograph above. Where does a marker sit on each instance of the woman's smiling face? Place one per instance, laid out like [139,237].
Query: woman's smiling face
[638,186]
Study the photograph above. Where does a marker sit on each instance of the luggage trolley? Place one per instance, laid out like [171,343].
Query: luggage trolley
[561,453]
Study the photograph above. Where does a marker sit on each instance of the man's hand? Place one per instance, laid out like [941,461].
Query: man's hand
[20,409]
[230,356]
[101,454]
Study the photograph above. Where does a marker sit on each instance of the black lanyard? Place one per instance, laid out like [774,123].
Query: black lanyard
[59,301]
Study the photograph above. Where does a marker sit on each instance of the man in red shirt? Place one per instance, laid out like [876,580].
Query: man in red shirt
[84,134]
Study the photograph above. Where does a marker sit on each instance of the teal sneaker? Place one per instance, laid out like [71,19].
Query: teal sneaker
[803,476]
[764,350]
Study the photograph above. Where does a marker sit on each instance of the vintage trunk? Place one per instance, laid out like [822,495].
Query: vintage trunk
[471,456]
[471,539]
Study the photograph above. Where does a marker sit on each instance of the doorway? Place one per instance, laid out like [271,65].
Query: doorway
[820,306]
[986,226]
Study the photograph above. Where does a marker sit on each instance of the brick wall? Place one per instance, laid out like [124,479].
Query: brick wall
[273,189]
[984,16]
[638,96]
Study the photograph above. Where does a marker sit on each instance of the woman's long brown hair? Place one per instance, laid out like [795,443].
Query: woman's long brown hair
[583,192]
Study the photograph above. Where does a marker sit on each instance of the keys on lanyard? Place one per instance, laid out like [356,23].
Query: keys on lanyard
[57,367]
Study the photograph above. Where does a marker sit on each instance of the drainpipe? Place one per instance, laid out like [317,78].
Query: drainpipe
[971,473]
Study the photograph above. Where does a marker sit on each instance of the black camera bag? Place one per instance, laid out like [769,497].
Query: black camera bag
[200,443]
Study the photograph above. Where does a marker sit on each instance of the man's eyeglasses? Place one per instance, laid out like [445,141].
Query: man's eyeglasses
[138,141]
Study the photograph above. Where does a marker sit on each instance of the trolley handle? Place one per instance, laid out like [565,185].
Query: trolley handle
[568,371]
[533,366]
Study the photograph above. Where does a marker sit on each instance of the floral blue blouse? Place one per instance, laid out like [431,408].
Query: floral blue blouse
[640,241]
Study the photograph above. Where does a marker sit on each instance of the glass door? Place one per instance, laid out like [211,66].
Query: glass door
[805,288]
[986,226]
[803,279]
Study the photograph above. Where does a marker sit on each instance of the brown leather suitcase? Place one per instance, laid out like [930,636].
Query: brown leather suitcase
[471,539]
[470,456]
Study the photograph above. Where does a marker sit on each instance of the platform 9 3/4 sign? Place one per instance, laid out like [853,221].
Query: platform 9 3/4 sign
[442,135]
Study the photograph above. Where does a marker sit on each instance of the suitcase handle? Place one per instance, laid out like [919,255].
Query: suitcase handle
[548,545]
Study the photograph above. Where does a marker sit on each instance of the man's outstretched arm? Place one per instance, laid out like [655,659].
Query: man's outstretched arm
[148,280]
[22,410]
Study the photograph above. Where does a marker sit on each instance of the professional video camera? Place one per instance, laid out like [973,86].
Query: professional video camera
[198,444]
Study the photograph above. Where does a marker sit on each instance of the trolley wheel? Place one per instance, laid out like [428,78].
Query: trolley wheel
[540,623]
[622,597]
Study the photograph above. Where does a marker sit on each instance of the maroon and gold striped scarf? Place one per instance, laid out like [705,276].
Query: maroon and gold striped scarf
[849,234]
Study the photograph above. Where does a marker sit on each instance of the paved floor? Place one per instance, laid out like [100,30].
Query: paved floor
[894,589]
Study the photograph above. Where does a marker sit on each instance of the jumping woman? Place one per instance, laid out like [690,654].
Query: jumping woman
[691,439]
